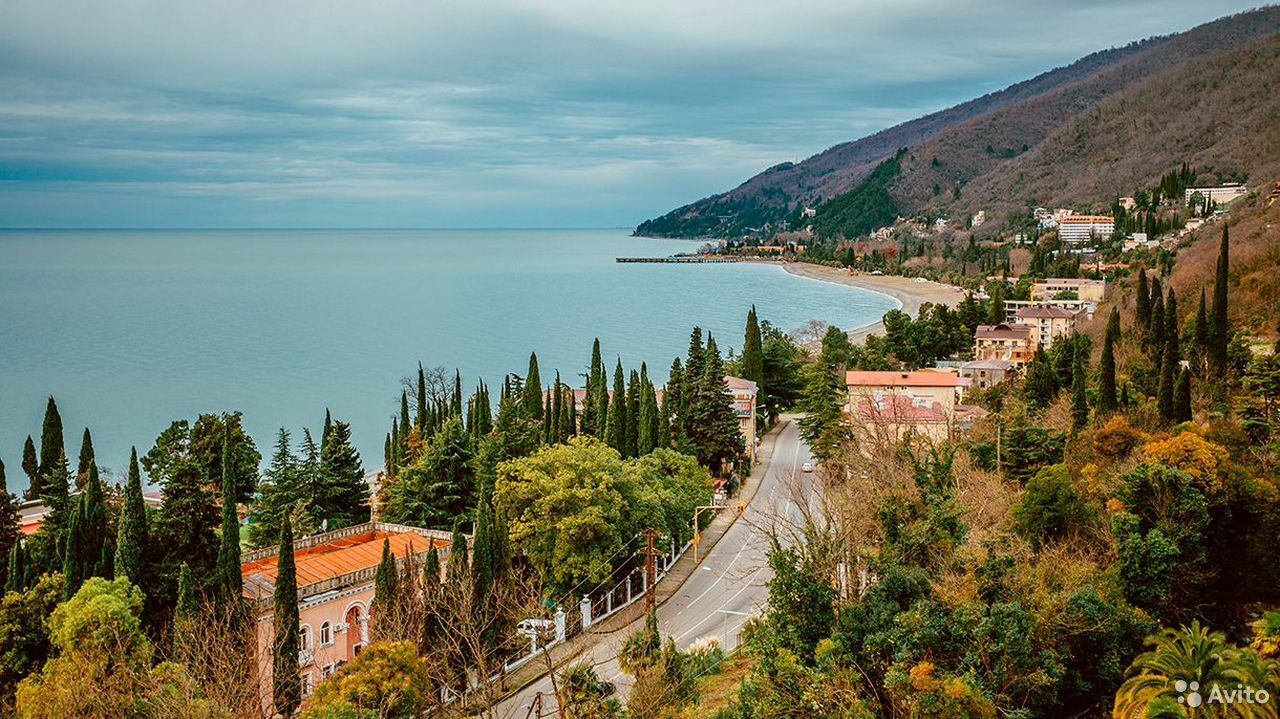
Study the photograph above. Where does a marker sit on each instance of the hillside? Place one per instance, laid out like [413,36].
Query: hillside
[955,147]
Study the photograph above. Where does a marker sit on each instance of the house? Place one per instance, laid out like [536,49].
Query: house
[1087,290]
[744,405]
[890,416]
[32,512]
[1220,195]
[335,576]
[985,373]
[1047,322]
[944,388]
[1075,230]
[1004,342]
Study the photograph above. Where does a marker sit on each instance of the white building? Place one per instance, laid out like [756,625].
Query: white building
[1079,229]
[1222,194]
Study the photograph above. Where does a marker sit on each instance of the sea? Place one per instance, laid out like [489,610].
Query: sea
[130,330]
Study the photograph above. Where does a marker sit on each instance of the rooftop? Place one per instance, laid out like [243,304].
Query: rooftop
[1071,282]
[1039,312]
[902,379]
[993,364]
[1003,331]
[899,408]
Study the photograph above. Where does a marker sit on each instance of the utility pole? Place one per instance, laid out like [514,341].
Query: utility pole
[650,569]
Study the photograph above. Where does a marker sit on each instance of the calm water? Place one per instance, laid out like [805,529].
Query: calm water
[130,330]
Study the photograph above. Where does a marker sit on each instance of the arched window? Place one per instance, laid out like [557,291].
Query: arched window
[304,637]
[326,635]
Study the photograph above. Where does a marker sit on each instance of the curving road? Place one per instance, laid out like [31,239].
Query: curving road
[726,588]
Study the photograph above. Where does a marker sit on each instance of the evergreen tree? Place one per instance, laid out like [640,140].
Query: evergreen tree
[386,582]
[718,438]
[1042,382]
[995,310]
[279,492]
[1171,329]
[343,499]
[557,411]
[1079,392]
[548,420]
[72,554]
[1168,369]
[1182,397]
[328,429]
[1107,374]
[431,572]
[662,435]
[228,582]
[753,350]
[1144,300]
[589,409]
[403,424]
[86,459]
[647,438]
[98,552]
[15,580]
[421,416]
[1202,335]
[1155,330]
[688,391]
[31,468]
[823,424]
[185,526]
[456,571]
[131,535]
[671,402]
[531,399]
[632,442]
[615,430]
[1220,335]
[9,530]
[52,450]
[440,486]
[286,685]
[185,606]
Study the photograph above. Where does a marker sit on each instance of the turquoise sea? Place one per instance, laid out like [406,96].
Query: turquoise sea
[132,329]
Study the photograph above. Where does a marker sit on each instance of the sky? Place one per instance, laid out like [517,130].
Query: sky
[483,113]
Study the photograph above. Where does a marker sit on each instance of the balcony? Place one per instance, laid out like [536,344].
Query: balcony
[306,657]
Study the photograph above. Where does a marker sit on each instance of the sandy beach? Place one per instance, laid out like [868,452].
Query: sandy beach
[907,290]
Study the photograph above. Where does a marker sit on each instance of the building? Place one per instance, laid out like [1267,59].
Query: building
[1004,342]
[32,512]
[1087,290]
[335,573]
[889,416]
[1047,322]
[1128,203]
[1080,229]
[744,405]
[944,388]
[985,373]
[1220,195]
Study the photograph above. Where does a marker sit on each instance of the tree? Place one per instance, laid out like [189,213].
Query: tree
[24,631]
[753,350]
[1220,334]
[441,486]
[823,426]
[1107,399]
[615,429]
[1182,397]
[86,459]
[132,534]
[1171,329]
[16,578]
[714,433]
[531,399]
[389,680]
[31,468]
[52,450]
[344,496]
[1143,300]
[185,525]
[1156,336]
[279,493]
[1168,374]
[229,583]
[1079,392]
[1050,508]
[8,524]
[184,608]
[286,689]
[385,589]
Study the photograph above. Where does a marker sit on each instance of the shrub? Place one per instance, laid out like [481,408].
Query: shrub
[1051,507]
[1117,438]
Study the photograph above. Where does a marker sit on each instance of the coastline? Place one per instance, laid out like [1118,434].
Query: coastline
[909,293]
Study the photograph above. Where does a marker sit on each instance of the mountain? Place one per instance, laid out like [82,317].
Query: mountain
[971,150]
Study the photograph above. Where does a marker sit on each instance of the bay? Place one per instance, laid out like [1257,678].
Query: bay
[130,330]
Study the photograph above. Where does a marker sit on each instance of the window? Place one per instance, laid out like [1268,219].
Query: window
[327,671]
[304,637]
[326,635]
[308,684]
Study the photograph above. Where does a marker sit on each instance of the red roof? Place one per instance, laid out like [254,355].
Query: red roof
[1003,332]
[342,556]
[901,379]
[899,408]
[1045,312]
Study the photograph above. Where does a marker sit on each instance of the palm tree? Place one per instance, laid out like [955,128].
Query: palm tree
[1193,659]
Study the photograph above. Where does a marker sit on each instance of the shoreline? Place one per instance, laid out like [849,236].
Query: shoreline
[909,293]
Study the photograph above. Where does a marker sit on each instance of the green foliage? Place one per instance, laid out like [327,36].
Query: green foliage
[388,680]
[1051,508]
[286,689]
[868,206]
[823,425]
[24,632]
[1027,449]
[438,488]
[801,600]
[342,499]
[132,534]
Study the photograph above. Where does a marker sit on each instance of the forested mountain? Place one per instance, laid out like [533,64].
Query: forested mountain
[1163,97]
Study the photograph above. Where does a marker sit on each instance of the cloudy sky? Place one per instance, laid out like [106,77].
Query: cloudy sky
[482,113]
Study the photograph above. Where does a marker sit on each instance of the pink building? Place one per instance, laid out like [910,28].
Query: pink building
[744,405]
[335,573]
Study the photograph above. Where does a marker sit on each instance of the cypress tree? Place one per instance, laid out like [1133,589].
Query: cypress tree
[633,415]
[8,520]
[31,468]
[1171,323]
[404,417]
[73,553]
[753,350]
[328,428]
[689,390]
[185,606]
[1079,392]
[1182,397]
[286,684]
[1155,329]
[1168,369]
[615,430]
[718,438]
[15,581]
[592,423]
[228,581]
[1144,300]
[672,402]
[995,311]
[1202,334]
[531,399]
[557,411]
[386,582]
[131,533]
[1107,374]
[431,572]
[1113,325]
[571,414]
[457,393]
[455,572]
[421,417]
[1221,330]
[662,436]
[97,556]
[86,459]
[52,450]
[548,421]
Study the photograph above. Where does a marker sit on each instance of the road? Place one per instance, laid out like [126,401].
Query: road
[727,587]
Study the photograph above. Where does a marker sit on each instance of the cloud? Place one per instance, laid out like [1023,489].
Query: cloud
[505,112]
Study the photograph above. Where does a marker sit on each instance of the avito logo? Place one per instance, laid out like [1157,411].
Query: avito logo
[1189,694]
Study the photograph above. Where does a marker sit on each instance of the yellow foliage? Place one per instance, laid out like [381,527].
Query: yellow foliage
[1192,454]
[922,677]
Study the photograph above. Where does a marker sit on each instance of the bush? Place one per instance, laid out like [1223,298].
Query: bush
[1051,508]
[1117,438]
[389,679]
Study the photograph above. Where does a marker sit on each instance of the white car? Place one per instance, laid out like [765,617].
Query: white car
[806,467]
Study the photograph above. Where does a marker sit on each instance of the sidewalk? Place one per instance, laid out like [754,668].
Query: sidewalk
[670,584]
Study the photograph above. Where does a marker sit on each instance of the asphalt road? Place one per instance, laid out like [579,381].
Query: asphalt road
[726,588]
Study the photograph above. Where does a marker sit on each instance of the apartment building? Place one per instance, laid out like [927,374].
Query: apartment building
[1086,290]
[1075,230]
[1047,322]
[1005,342]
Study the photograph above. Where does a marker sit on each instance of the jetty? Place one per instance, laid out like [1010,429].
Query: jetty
[690,260]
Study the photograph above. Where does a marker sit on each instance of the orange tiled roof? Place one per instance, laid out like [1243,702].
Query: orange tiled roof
[341,556]
[901,379]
